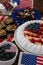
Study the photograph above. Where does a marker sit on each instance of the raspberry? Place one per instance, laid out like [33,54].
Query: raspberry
[32,40]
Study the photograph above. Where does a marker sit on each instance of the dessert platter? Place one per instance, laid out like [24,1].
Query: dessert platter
[25,14]
[29,36]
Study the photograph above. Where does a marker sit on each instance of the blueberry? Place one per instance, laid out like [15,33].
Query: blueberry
[7,46]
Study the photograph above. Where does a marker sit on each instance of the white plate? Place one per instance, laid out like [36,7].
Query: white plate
[24,42]
[17,41]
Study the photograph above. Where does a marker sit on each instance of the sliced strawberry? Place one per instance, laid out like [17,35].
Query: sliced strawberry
[28,34]
[28,29]
[41,36]
[41,29]
[39,33]
[34,31]
[32,35]
[32,40]
[40,41]
[41,25]
[37,36]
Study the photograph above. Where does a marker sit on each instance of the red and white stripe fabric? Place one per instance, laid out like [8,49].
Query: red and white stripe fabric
[26,3]
[39,60]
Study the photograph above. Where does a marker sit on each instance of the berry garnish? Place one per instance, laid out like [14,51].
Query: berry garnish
[40,41]
[28,29]
[41,25]
[41,29]
[32,40]
[39,33]
[37,36]
[34,31]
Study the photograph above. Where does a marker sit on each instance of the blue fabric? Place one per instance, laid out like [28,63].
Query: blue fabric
[37,16]
[18,1]
[28,59]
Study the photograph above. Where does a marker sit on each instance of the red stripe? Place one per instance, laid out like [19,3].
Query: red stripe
[26,1]
[2,18]
[24,6]
[39,63]
[39,60]
[40,56]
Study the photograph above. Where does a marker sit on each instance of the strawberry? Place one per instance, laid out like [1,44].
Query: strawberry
[32,35]
[37,36]
[28,34]
[42,36]
[28,29]
[41,29]
[32,40]
[39,33]
[41,25]
[40,41]
[34,31]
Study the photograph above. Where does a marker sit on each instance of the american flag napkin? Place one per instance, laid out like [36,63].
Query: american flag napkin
[30,59]
[26,3]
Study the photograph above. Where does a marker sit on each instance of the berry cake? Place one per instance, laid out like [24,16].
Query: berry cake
[30,36]
[34,32]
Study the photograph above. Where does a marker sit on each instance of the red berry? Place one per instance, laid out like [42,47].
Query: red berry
[28,34]
[41,29]
[41,25]
[34,31]
[32,35]
[28,29]
[40,41]
[42,36]
[39,33]
[37,36]
[32,40]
